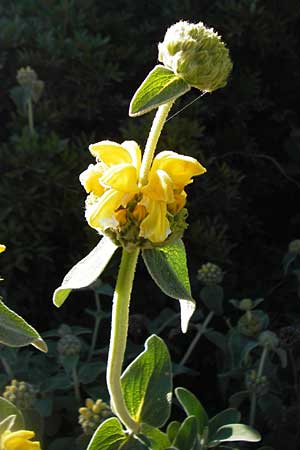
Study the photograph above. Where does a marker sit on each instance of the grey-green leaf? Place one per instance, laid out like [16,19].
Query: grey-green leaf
[172,430]
[160,86]
[157,439]
[228,416]
[168,267]
[192,407]
[235,432]
[187,434]
[8,409]
[108,436]
[86,271]
[212,297]
[16,332]
[147,384]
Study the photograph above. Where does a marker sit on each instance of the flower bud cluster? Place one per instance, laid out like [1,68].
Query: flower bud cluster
[255,384]
[196,54]
[69,345]
[250,324]
[20,393]
[92,414]
[28,80]
[210,274]
[294,246]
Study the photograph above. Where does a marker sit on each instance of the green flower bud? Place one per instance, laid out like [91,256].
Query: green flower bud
[294,246]
[250,325]
[255,384]
[268,339]
[246,304]
[26,76]
[92,415]
[197,54]
[69,345]
[210,274]
[20,393]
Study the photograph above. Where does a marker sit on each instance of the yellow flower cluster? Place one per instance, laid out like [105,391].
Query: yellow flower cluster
[18,440]
[117,197]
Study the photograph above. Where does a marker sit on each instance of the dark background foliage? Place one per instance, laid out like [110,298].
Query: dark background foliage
[92,55]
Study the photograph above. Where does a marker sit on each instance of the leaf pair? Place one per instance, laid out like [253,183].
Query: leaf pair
[167,266]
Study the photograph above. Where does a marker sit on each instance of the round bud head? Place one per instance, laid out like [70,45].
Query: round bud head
[26,76]
[92,414]
[210,274]
[255,384]
[268,339]
[69,345]
[197,54]
[250,325]
[20,393]
[294,246]
[246,304]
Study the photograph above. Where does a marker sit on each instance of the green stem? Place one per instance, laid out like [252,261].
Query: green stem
[7,367]
[30,116]
[157,126]
[118,337]
[96,327]
[254,395]
[193,344]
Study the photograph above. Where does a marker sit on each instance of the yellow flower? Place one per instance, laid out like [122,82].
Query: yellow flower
[116,197]
[18,440]
[2,248]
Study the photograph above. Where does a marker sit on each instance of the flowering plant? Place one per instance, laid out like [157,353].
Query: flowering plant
[138,203]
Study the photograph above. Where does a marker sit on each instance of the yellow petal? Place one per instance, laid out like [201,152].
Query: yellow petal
[121,216]
[101,214]
[19,440]
[178,204]
[155,226]
[110,153]
[122,177]
[135,152]
[90,179]
[160,187]
[2,248]
[180,168]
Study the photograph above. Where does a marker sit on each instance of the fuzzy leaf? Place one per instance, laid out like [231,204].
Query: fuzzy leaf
[187,434]
[16,332]
[108,436]
[86,271]
[160,86]
[147,384]
[192,407]
[157,439]
[168,268]
[9,409]
[235,432]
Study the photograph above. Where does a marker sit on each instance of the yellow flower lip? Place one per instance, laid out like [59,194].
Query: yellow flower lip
[2,248]
[116,199]
[18,440]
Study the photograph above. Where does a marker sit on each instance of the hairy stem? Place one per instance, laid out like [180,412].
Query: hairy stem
[193,344]
[254,395]
[76,383]
[157,126]
[118,337]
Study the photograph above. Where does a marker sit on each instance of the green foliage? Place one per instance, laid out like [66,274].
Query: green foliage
[160,86]
[16,332]
[86,271]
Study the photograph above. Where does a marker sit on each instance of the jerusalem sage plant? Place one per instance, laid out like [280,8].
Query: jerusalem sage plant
[138,203]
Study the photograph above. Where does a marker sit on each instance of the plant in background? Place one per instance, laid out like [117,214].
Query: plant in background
[29,90]
[137,203]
